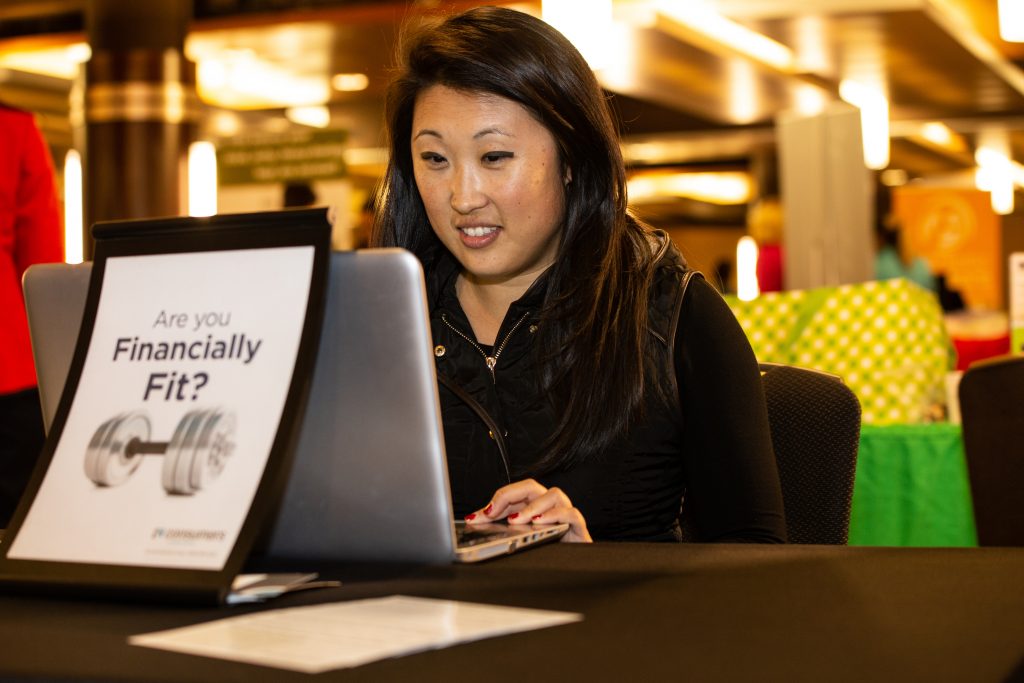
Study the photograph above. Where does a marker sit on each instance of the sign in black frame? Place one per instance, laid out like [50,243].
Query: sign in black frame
[264,230]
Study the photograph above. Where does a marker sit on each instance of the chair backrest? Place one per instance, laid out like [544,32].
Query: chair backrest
[815,425]
[992,415]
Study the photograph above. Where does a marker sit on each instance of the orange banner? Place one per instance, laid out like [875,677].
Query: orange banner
[959,234]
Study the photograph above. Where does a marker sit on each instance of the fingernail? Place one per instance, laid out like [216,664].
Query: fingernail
[536,517]
[471,516]
[513,515]
[487,510]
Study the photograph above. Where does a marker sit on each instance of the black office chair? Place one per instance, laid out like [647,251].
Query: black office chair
[815,424]
[992,414]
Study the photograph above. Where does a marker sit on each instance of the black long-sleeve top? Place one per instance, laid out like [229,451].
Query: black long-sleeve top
[713,451]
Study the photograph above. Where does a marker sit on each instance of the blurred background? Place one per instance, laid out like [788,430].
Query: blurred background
[778,120]
[846,172]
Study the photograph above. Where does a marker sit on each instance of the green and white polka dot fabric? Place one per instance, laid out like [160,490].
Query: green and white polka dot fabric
[886,339]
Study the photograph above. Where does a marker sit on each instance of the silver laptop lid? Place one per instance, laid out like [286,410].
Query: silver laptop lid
[371,454]
[55,303]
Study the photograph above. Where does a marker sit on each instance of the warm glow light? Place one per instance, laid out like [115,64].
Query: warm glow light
[242,80]
[73,221]
[811,43]
[586,23]
[350,82]
[202,179]
[937,132]
[810,100]
[316,117]
[224,123]
[1011,20]
[60,61]
[874,120]
[699,17]
[620,71]
[995,172]
[717,188]
[995,175]
[743,90]
[746,269]
[1017,171]
[366,156]
[894,177]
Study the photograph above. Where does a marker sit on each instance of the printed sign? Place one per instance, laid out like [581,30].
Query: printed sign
[304,155]
[177,407]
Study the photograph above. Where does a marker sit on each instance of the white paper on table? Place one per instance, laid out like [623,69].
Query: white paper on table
[344,634]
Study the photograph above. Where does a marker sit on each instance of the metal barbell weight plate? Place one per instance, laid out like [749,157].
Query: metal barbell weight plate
[107,462]
[92,451]
[215,443]
[178,457]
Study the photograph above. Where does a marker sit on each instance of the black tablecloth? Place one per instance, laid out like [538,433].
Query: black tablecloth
[654,612]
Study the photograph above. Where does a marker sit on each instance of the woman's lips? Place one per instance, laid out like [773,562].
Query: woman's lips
[478,237]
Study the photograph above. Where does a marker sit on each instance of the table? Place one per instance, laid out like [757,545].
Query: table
[651,612]
[912,487]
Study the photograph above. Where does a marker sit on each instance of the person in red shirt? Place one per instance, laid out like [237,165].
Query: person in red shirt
[30,232]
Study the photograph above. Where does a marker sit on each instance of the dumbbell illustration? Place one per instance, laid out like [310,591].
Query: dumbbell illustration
[196,453]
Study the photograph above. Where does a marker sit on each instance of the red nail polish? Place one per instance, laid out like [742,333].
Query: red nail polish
[536,517]
[513,515]
[487,510]
[471,516]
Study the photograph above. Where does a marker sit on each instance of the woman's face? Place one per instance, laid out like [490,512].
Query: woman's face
[491,181]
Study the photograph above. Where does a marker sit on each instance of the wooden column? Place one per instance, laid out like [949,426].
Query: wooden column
[140,110]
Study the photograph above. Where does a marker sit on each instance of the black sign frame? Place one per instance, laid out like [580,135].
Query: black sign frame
[263,230]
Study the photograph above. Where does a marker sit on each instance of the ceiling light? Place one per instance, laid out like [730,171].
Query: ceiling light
[995,173]
[350,82]
[743,89]
[936,132]
[695,21]
[61,61]
[224,123]
[874,119]
[1011,20]
[725,187]
[586,23]
[810,100]
[239,79]
[316,117]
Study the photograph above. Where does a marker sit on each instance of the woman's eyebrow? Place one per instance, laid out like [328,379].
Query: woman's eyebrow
[427,131]
[493,130]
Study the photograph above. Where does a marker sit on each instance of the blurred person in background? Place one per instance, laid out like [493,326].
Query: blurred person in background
[298,194]
[891,261]
[30,232]
[764,223]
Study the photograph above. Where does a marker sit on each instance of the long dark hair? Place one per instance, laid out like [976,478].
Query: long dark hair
[592,332]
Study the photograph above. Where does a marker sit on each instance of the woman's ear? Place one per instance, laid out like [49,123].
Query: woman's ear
[567,176]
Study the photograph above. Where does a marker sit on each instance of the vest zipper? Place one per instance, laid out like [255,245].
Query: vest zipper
[489,361]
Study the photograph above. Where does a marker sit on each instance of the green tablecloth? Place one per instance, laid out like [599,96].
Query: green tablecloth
[911,487]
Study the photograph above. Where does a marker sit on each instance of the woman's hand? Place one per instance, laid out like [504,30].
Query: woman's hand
[528,502]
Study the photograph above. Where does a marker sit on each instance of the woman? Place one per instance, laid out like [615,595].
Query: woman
[569,392]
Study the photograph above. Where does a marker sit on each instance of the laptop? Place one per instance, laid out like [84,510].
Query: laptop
[369,479]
